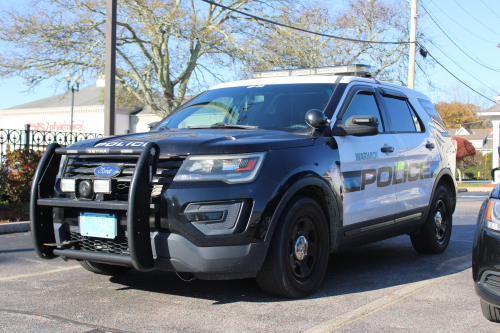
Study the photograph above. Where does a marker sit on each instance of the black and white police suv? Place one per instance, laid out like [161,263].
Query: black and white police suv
[259,178]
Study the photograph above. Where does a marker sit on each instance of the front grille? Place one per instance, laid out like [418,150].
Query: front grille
[82,167]
[119,245]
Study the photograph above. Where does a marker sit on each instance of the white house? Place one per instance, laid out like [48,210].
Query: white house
[481,139]
[54,114]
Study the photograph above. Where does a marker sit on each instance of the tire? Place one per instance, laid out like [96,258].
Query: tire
[435,234]
[104,269]
[298,254]
[490,312]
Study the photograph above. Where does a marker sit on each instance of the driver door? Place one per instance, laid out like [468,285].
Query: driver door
[367,165]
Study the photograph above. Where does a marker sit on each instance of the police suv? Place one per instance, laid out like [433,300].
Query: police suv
[258,178]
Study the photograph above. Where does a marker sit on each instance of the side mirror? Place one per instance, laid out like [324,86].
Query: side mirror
[357,126]
[151,125]
[316,119]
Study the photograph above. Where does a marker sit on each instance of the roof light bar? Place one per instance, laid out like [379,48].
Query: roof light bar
[353,70]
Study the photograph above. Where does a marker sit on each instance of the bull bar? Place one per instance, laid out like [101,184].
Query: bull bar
[138,206]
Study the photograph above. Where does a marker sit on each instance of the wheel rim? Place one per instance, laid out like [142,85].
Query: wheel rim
[304,249]
[440,220]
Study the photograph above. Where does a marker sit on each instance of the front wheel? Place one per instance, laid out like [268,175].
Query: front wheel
[435,234]
[298,254]
[104,269]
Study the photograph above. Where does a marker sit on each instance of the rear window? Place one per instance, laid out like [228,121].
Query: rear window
[432,112]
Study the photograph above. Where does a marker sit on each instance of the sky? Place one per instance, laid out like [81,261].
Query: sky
[474,26]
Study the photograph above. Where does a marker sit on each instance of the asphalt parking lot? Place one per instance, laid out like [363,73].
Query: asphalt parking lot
[382,287]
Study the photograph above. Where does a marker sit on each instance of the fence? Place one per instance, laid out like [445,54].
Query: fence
[14,139]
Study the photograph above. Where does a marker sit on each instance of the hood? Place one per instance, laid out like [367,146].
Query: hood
[205,141]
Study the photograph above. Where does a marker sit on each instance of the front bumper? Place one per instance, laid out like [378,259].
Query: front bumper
[173,252]
[486,265]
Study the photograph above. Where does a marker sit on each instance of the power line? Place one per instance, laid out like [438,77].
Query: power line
[475,18]
[475,58]
[258,18]
[435,4]
[465,84]
[349,39]
[480,63]
[490,9]
[473,76]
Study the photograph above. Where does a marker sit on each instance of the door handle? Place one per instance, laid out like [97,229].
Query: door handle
[387,149]
[429,145]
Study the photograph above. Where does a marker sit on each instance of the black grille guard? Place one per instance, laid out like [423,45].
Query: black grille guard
[138,205]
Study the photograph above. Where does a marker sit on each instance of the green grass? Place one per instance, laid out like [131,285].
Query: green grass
[18,207]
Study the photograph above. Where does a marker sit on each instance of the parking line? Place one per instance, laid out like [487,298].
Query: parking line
[376,305]
[96,328]
[15,277]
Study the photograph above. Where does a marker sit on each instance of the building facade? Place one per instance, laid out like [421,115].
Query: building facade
[54,114]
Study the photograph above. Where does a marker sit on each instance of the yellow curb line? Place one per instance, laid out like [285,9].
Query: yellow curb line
[15,277]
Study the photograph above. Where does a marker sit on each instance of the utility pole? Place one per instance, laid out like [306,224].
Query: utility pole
[110,69]
[413,37]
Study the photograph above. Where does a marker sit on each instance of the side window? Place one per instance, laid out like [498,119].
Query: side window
[401,118]
[431,111]
[364,105]
[419,125]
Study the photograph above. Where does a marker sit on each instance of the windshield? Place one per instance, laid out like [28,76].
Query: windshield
[277,106]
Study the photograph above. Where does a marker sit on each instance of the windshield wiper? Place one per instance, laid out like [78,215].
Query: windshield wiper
[223,125]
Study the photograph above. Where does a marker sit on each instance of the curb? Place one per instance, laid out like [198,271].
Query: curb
[475,189]
[13,227]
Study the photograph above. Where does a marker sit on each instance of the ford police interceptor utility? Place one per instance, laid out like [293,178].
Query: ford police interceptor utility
[258,178]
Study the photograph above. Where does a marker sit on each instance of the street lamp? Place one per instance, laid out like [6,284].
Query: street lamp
[77,81]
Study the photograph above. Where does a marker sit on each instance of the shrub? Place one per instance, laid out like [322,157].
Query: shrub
[16,174]
[483,166]
[465,156]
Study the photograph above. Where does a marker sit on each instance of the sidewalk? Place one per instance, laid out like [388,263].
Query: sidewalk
[475,189]
[13,227]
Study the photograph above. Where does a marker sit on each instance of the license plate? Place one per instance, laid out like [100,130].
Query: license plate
[98,225]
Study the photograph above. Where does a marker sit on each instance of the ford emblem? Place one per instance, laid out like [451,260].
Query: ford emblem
[107,171]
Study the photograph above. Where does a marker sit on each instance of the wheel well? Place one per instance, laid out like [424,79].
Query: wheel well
[447,181]
[328,206]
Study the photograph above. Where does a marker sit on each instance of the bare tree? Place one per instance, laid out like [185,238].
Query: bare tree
[281,48]
[160,43]
[163,46]
[457,92]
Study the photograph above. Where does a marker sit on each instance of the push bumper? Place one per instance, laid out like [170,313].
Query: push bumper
[137,207]
[144,250]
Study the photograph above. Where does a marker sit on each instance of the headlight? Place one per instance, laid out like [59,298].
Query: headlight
[241,168]
[492,220]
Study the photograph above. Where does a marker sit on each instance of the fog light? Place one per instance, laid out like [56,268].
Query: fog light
[85,189]
[214,218]
[68,185]
[102,186]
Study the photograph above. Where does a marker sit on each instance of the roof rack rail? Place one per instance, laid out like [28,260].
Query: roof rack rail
[353,70]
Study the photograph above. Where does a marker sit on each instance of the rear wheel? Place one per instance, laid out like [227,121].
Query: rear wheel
[298,254]
[104,269]
[490,312]
[435,234]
